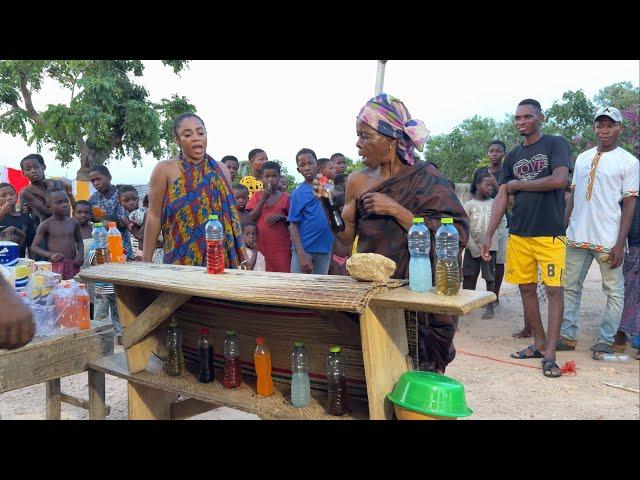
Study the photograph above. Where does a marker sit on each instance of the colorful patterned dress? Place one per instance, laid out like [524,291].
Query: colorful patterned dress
[200,191]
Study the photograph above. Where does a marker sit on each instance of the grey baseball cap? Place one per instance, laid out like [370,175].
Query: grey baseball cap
[611,112]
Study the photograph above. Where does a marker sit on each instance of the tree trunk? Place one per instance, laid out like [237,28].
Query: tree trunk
[88,160]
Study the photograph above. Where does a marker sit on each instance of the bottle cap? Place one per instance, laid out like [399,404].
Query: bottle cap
[446,220]
[231,332]
[213,217]
[299,344]
[82,286]
[23,294]
[111,224]
[334,349]
[204,331]
[173,323]
[97,225]
[418,220]
[260,341]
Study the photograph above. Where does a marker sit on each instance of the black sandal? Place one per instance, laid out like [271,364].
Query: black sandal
[548,364]
[522,354]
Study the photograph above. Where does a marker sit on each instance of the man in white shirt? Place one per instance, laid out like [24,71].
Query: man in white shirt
[604,177]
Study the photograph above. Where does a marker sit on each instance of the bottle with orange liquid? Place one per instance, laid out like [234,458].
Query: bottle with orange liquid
[82,307]
[114,242]
[262,361]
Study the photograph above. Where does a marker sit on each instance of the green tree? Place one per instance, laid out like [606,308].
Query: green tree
[107,115]
[626,98]
[572,118]
[352,165]
[291,180]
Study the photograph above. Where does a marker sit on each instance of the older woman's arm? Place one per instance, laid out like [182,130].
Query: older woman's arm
[157,190]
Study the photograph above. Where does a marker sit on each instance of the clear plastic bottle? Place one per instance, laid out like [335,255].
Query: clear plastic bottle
[262,361]
[82,309]
[614,357]
[300,384]
[337,382]
[447,270]
[205,352]
[232,375]
[215,250]
[174,365]
[419,240]
[99,235]
[114,242]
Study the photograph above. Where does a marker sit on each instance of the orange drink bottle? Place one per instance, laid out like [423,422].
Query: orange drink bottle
[114,243]
[82,307]
[262,361]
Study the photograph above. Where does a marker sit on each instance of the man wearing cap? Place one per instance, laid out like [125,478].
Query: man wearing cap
[604,177]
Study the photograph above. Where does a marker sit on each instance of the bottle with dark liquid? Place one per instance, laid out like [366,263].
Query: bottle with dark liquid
[337,383]
[337,223]
[205,351]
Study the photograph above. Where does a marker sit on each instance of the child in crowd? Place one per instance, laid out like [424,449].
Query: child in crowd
[340,162]
[241,196]
[255,259]
[283,184]
[14,227]
[311,235]
[479,211]
[232,165]
[82,213]
[257,158]
[137,220]
[128,198]
[340,183]
[327,168]
[62,237]
[269,209]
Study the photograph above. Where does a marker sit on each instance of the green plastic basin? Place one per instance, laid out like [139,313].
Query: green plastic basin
[430,393]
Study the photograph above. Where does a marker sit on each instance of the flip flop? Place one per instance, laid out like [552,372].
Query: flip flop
[522,354]
[565,345]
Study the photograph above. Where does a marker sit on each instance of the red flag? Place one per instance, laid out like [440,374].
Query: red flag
[17,179]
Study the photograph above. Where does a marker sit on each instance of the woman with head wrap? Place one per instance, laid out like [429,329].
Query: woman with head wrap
[382,199]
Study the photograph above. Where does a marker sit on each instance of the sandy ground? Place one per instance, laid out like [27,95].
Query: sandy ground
[497,387]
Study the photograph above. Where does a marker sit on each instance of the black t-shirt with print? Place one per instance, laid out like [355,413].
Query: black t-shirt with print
[537,214]
[25,223]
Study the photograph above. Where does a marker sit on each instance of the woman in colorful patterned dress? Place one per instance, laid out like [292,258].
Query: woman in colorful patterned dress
[183,192]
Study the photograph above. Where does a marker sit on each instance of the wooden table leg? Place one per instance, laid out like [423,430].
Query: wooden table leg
[384,349]
[97,405]
[54,401]
[147,403]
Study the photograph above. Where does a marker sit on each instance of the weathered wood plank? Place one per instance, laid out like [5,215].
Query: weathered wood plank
[384,349]
[53,357]
[98,410]
[161,308]
[189,408]
[54,403]
[147,403]
[406,299]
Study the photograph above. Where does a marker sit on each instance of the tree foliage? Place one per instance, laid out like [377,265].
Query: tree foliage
[107,115]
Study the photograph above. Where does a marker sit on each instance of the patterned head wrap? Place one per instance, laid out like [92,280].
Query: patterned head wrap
[388,115]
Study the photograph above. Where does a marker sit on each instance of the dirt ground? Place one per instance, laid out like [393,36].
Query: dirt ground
[497,386]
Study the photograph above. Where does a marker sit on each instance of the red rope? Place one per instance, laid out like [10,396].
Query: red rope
[569,368]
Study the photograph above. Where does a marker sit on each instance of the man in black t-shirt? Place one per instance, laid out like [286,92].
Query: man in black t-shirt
[535,172]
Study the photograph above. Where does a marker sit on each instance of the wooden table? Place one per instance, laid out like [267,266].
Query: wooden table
[47,359]
[367,319]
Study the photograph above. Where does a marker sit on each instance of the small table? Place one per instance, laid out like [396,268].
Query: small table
[367,319]
[47,359]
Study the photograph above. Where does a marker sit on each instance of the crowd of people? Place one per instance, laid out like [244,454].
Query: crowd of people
[529,220]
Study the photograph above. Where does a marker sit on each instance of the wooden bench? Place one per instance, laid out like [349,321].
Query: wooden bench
[47,359]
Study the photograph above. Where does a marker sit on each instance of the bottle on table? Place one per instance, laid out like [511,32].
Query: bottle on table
[114,242]
[215,250]
[447,270]
[64,302]
[337,223]
[262,361]
[205,352]
[232,376]
[419,240]
[300,384]
[174,366]
[99,234]
[337,382]
[82,309]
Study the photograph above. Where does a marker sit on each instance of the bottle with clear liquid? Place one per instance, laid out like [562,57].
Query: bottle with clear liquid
[232,375]
[337,382]
[614,357]
[114,242]
[419,239]
[174,366]
[205,352]
[300,384]
[262,361]
[447,270]
[99,235]
[215,249]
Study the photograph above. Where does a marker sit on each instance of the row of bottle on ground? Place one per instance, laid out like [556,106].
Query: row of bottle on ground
[232,376]
[447,269]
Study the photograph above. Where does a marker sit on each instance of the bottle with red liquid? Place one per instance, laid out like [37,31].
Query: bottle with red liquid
[215,250]
[232,376]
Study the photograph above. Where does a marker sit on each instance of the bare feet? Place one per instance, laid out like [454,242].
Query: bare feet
[524,333]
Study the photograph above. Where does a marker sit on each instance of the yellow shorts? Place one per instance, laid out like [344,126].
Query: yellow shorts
[524,254]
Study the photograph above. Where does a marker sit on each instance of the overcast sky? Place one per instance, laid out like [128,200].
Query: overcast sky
[282,106]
